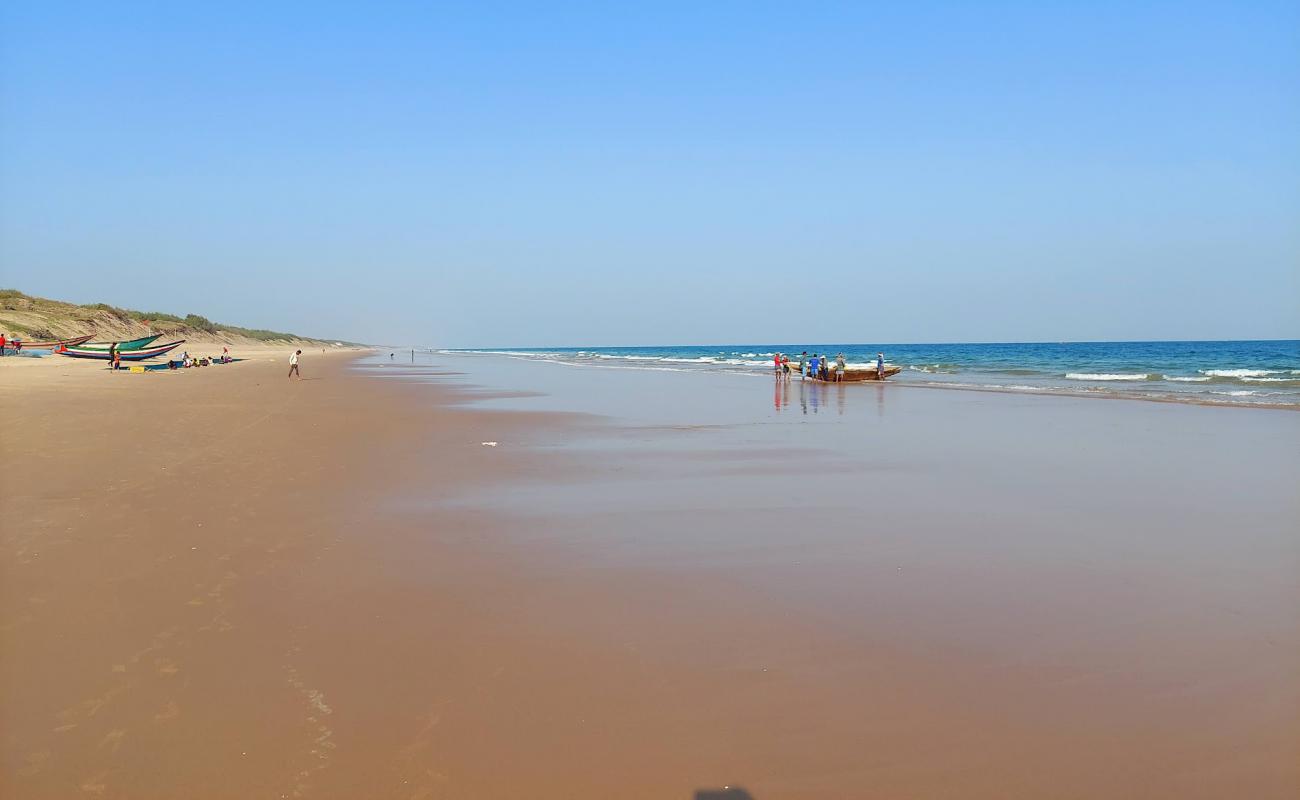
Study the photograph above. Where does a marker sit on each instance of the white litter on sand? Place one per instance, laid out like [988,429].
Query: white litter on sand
[489,444]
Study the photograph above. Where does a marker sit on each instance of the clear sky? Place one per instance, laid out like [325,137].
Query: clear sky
[496,174]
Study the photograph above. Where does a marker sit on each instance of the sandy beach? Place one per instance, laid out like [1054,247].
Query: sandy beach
[220,584]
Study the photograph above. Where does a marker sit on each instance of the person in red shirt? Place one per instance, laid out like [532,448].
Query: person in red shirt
[2,344]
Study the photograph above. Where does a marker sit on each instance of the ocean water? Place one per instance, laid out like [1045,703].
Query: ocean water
[1236,373]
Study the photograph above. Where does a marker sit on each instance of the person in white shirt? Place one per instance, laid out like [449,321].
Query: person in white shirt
[293,364]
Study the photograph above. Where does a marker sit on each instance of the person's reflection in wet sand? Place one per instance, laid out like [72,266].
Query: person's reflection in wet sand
[776,394]
[803,396]
[880,400]
[839,397]
[817,397]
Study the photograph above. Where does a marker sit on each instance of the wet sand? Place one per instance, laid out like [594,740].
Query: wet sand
[653,585]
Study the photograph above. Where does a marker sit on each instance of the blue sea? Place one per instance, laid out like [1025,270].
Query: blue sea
[1255,373]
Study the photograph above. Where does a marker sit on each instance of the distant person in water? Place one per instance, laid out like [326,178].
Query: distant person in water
[880,366]
[839,368]
[293,364]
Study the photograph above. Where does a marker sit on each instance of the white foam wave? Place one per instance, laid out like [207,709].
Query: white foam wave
[1237,393]
[1243,373]
[1186,379]
[1106,376]
[945,369]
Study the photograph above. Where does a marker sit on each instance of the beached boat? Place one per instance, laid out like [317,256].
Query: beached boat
[857,374]
[132,344]
[47,345]
[126,355]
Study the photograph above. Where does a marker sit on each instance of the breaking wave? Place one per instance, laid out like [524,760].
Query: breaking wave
[1109,376]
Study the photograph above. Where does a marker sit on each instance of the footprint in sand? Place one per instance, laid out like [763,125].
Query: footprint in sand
[34,763]
[95,784]
[113,740]
[166,666]
[170,712]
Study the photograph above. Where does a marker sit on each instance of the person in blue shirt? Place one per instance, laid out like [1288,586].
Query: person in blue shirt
[812,366]
[880,366]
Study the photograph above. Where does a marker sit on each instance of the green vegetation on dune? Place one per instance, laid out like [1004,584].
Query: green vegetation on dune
[9,326]
[55,310]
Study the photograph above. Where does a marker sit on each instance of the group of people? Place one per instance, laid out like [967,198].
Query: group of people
[187,360]
[818,367]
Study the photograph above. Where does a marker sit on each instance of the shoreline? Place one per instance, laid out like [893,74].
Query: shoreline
[1032,392]
[333,589]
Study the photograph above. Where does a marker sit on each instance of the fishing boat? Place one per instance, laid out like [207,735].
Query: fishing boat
[133,344]
[857,374]
[47,345]
[127,355]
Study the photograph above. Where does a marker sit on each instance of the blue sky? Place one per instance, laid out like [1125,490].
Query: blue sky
[494,174]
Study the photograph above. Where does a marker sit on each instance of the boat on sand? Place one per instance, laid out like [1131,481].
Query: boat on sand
[132,344]
[48,345]
[126,355]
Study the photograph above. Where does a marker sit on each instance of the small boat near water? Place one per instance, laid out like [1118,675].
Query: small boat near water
[126,355]
[858,374]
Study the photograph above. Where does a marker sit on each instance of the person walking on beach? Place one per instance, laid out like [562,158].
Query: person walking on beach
[803,361]
[880,366]
[776,364]
[839,368]
[293,364]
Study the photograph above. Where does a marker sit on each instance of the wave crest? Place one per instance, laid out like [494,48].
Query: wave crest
[1108,376]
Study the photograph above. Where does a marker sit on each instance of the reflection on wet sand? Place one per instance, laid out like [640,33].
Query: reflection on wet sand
[813,395]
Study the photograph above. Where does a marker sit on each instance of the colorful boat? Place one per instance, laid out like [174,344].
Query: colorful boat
[133,344]
[127,355]
[46,345]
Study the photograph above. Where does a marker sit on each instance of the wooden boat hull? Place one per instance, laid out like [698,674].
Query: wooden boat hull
[860,374]
[129,355]
[133,344]
[48,345]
